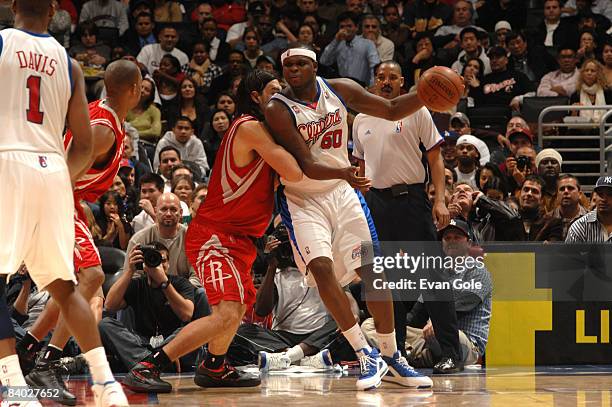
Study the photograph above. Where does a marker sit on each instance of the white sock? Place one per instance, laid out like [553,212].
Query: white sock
[98,366]
[10,372]
[296,353]
[356,338]
[387,343]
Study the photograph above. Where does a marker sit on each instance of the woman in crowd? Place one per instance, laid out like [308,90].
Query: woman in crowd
[188,103]
[219,123]
[473,73]
[168,77]
[146,117]
[226,102]
[202,69]
[116,230]
[591,90]
[252,43]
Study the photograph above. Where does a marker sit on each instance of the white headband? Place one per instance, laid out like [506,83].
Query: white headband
[292,52]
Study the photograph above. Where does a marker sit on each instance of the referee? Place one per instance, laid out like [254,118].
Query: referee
[395,155]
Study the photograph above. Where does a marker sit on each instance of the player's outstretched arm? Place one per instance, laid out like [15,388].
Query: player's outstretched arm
[257,137]
[80,153]
[357,98]
[283,130]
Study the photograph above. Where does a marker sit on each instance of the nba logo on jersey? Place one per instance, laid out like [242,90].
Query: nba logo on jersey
[42,160]
[398,126]
[296,109]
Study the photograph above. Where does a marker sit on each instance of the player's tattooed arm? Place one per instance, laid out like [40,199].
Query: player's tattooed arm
[357,98]
[81,149]
[285,133]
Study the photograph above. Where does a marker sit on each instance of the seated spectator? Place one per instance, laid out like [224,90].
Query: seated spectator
[168,11]
[166,228]
[251,44]
[591,90]
[537,225]
[548,164]
[142,33]
[162,301]
[167,79]
[151,187]
[587,46]
[266,63]
[554,31]
[473,73]
[532,60]
[600,13]
[89,51]
[524,161]
[503,86]
[355,56]
[449,150]
[273,41]
[502,28]
[146,117]
[169,157]
[370,30]
[308,36]
[471,48]
[218,50]
[128,201]
[424,58]
[447,36]
[150,56]
[189,146]
[427,15]
[492,11]
[235,69]
[182,187]
[226,101]
[393,27]
[492,182]
[471,154]
[561,82]
[568,206]
[473,307]
[197,199]
[301,326]
[519,136]
[219,123]
[201,69]
[188,103]
[606,56]
[595,226]
[105,13]
[116,230]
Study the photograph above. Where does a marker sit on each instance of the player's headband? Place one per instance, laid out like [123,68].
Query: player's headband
[292,52]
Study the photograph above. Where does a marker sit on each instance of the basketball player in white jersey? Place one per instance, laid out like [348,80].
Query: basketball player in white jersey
[44,89]
[325,217]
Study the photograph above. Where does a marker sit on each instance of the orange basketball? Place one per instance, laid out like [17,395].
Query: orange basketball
[440,88]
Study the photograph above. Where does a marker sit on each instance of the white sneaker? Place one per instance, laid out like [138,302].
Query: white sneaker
[402,373]
[109,394]
[321,360]
[273,361]
[373,369]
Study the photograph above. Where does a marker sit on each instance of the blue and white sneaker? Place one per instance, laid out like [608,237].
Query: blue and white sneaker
[373,368]
[402,373]
[273,361]
[321,360]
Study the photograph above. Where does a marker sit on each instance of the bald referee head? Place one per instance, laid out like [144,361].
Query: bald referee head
[122,80]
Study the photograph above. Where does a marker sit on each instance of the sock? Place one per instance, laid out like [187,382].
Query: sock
[52,353]
[214,362]
[29,342]
[98,366]
[296,353]
[356,338]
[387,344]
[159,358]
[10,372]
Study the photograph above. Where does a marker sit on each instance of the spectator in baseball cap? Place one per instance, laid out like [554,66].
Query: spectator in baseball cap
[595,226]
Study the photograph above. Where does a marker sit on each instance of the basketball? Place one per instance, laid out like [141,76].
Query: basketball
[440,88]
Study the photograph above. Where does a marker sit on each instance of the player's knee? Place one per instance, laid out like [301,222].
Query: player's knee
[61,289]
[228,314]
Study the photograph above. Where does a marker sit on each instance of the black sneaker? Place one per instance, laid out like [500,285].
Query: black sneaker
[144,378]
[27,358]
[49,376]
[227,376]
[447,366]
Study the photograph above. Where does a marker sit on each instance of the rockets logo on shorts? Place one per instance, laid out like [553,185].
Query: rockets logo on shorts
[42,160]
[217,275]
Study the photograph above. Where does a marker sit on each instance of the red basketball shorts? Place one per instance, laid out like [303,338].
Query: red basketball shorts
[85,251]
[222,261]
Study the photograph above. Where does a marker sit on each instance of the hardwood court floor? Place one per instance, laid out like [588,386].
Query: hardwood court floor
[558,386]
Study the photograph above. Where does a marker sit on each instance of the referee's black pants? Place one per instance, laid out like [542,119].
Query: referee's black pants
[408,218]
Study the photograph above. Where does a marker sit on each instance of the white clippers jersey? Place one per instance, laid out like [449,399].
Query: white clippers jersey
[36,85]
[323,125]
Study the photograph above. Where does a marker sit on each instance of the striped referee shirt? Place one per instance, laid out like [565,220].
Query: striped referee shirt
[588,229]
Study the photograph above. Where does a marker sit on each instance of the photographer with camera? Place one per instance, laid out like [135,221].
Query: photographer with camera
[162,302]
[301,330]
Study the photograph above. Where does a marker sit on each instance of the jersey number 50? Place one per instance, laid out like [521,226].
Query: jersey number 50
[33,113]
[332,139]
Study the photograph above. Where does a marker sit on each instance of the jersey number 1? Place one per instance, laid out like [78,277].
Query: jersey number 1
[33,112]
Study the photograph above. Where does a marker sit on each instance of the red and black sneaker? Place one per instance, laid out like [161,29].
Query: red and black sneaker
[226,376]
[144,378]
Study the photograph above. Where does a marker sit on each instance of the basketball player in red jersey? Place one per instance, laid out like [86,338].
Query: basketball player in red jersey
[219,245]
[122,80]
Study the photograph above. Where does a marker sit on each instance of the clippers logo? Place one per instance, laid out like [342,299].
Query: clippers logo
[312,131]
[42,160]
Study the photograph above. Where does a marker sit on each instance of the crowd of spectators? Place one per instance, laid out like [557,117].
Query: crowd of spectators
[193,55]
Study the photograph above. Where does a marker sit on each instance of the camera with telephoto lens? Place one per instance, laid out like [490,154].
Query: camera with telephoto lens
[283,252]
[152,256]
[522,162]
